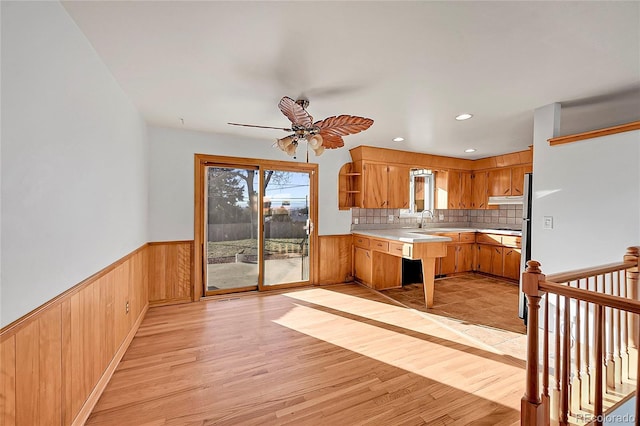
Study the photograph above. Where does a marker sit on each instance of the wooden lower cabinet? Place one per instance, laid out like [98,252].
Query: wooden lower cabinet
[459,258]
[490,259]
[362,265]
[511,263]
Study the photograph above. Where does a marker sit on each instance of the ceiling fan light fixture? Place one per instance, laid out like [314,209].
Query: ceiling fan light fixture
[285,142]
[315,141]
[291,149]
[318,151]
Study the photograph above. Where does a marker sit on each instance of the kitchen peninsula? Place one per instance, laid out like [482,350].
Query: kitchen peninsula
[378,254]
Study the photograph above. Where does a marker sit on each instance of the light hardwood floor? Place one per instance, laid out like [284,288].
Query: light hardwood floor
[335,355]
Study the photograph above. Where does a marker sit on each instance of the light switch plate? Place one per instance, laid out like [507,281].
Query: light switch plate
[548,222]
[391,218]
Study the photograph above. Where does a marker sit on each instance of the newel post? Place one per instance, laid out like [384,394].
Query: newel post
[532,408]
[633,281]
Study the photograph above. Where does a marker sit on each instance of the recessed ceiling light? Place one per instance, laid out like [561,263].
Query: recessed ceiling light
[398,139]
[464,116]
[470,150]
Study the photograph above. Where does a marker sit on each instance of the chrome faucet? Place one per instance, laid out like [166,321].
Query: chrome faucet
[430,215]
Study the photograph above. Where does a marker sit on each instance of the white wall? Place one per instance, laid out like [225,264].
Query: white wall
[591,188]
[74,160]
[171,197]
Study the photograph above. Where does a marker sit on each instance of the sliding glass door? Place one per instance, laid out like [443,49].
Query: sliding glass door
[231,229]
[257,224]
[287,226]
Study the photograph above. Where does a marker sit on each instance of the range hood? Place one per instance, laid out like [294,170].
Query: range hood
[507,199]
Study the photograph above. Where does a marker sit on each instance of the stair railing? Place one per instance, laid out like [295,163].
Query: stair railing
[583,334]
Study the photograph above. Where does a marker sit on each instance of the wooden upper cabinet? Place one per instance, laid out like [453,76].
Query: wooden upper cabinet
[479,197]
[499,182]
[466,189]
[375,182]
[517,179]
[385,186]
[453,189]
[507,181]
[398,187]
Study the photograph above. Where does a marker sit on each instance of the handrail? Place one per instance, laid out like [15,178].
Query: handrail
[579,274]
[595,334]
[607,300]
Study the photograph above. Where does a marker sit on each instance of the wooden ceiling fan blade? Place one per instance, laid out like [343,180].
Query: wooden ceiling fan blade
[343,125]
[331,141]
[294,112]
[261,127]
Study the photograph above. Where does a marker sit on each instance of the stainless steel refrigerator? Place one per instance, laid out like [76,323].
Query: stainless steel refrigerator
[525,253]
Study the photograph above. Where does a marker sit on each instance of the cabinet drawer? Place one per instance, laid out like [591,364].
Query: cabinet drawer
[511,241]
[467,237]
[489,239]
[455,237]
[361,242]
[396,249]
[379,245]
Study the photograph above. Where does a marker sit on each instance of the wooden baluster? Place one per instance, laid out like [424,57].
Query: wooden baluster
[610,362]
[637,382]
[576,394]
[532,409]
[585,377]
[624,327]
[566,353]
[545,363]
[617,323]
[599,338]
[595,361]
[632,282]
[555,392]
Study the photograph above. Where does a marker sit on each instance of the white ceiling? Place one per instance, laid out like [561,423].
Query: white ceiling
[410,66]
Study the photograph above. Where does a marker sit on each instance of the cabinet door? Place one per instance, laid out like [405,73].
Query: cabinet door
[484,258]
[466,187]
[362,265]
[517,179]
[398,187]
[441,191]
[375,186]
[496,261]
[479,191]
[448,263]
[454,195]
[499,182]
[465,259]
[512,263]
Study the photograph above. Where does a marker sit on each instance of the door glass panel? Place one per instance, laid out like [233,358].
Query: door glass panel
[286,227]
[231,231]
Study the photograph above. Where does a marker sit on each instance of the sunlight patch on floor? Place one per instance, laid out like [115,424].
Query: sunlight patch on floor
[468,372]
[387,313]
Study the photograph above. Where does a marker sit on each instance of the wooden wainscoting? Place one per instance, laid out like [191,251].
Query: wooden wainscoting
[56,360]
[334,259]
[170,270]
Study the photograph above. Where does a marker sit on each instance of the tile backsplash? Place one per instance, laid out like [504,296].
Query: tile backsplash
[507,216]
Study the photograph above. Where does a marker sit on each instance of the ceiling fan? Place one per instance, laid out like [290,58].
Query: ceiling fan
[320,135]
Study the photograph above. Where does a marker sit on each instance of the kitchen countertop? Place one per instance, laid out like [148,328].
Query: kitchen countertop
[426,235]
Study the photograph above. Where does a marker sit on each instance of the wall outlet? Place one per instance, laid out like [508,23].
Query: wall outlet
[391,218]
[441,216]
[126,307]
[548,222]
[355,221]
